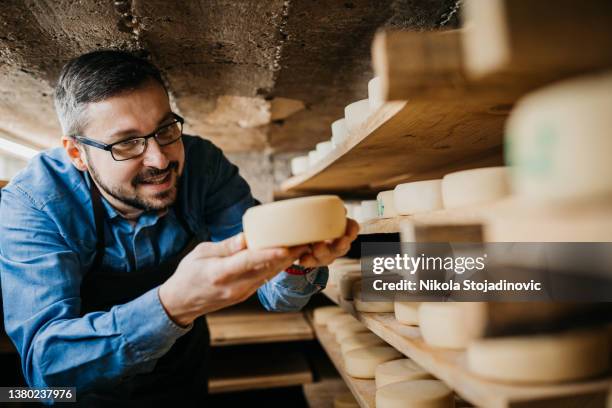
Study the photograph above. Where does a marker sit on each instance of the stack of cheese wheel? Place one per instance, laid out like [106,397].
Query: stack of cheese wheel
[386,204]
[474,187]
[399,370]
[559,142]
[362,305]
[418,197]
[346,400]
[359,340]
[376,96]
[369,210]
[443,325]
[347,282]
[313,158]
[335,322]
[346,330]
[362,362]
[415,394]
[356,114]
[294,222]
[299,165]
[339,132]
[568,356]
[342,266]
[323,314]
[407,312]
[324,148]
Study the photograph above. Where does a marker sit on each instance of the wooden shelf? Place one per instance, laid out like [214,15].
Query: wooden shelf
[507,220]
[363,390]
[450,367]
[529,44]
[247,324]
[416,140]
[323,393]
[247,370]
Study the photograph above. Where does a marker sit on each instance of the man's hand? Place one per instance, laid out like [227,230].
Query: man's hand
[217,275]
[324,253]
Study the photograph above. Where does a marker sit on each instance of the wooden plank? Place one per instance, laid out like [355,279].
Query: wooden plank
[413,139]
[430,65]
[323,393]
[247,370]
[450,367]
[363,390]
[248,325]
[3,183]
[530,43]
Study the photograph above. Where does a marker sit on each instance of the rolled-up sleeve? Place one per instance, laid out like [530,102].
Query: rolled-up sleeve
[228,197]
[41,277]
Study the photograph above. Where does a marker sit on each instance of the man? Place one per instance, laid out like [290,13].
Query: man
[107,274]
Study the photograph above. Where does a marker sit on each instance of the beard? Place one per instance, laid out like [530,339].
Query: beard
[157,202]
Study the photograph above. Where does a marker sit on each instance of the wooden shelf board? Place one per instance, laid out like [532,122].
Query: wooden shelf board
[322,394]
[363,390]
[450,366]
[458,216]
[251,371]
[419,139]
[245,325]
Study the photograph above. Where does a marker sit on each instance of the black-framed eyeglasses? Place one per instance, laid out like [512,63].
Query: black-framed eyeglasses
[133,147]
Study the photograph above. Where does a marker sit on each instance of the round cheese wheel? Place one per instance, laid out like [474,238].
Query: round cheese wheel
[335,322]
[294,222]
[369,306]
[415,394]
[369,210]
[356,114]
[322,315]
[349,329]
[346,400]
[299,165]
[338,270]
[418,197]
[407,312]
[543,358]
[558,140]
[324,148]
[399,370]
[376,96]
[347,282]
[339,132]
[473,187]
[442,325]
[313,157]
[386,204]
[359,340]
[362,362]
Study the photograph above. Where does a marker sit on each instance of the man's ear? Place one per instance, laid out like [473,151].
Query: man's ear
[76,155]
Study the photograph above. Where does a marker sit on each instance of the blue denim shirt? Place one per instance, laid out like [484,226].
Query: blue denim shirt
[47,244]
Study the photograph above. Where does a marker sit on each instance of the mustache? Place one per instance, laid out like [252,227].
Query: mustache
[150,173]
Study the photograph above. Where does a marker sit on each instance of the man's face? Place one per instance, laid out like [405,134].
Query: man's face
[149,181]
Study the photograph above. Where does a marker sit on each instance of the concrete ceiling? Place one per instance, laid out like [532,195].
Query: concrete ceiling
[250,75]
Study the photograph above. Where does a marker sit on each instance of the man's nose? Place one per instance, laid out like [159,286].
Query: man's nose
[154,156]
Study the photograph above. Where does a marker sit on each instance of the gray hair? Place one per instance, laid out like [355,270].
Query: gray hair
[94,77]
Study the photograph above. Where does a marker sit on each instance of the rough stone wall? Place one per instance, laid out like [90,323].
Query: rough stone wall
[252,76]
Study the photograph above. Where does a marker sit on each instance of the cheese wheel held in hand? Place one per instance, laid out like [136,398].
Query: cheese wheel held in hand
[294,222]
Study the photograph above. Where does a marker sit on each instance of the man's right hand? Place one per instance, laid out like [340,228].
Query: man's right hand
[217,275]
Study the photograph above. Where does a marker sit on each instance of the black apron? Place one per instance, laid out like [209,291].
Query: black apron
[181,374]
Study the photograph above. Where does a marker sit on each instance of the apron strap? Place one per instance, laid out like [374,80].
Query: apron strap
[98,211]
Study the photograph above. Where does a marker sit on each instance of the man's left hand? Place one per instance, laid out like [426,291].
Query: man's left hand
[324,253]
